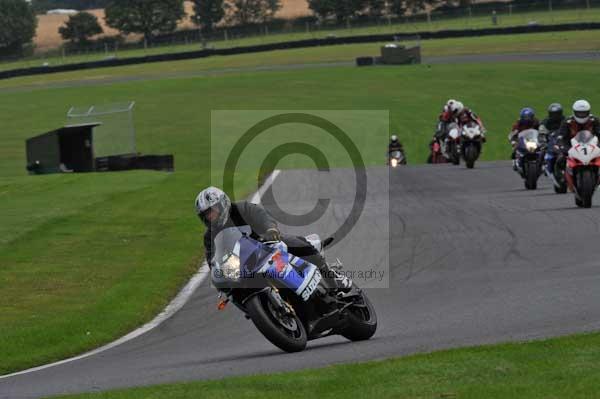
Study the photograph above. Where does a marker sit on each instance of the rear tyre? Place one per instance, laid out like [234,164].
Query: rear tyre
[559,176]
[585,187]
[287,334]
[362,321]
[562,189]
[455,157]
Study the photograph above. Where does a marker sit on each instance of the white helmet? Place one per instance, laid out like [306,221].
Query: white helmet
[456,107]
[394,138]
[581,111]
[213,198]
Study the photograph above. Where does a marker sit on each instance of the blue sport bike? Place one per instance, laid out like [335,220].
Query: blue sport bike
[529,157]
[287,298]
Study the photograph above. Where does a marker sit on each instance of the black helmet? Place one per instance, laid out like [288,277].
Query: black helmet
[555,111]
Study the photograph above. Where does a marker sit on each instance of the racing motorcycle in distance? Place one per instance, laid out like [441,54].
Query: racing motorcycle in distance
[396,158]
[555,164]
[582,167]
[436,155]
[471,143]
[529,154]
[452,144]
[287,298]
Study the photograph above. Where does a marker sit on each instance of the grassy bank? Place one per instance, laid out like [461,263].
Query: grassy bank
[558,368]
[543,42]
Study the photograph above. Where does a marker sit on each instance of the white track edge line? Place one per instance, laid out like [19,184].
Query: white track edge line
[177,303]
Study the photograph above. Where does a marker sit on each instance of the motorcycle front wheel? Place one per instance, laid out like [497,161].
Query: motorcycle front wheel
[285,331]
[585,187]
[471,155]
[531,176]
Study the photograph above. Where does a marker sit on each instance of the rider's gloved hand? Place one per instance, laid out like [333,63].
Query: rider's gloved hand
[272,234]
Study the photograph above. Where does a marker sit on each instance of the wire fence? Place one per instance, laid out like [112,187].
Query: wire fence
[115,134]
[476,16]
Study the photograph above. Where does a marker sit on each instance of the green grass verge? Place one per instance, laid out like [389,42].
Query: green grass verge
[557,368]
[505,19]
[85,258]
[543,42]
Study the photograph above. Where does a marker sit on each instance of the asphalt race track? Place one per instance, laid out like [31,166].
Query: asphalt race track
[474,259]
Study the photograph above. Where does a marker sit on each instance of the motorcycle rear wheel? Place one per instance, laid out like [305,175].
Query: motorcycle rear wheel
[559,176]
[560,190]
[288,335]
[362,321]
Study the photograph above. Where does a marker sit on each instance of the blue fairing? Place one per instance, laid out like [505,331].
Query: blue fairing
[277,264]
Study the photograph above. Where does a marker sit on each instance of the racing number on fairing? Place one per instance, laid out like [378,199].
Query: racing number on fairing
[584,149]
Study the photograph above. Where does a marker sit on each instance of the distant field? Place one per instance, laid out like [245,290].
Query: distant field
[86,258]
[49,37]
[544,42]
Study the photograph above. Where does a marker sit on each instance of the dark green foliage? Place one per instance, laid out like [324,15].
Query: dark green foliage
[244,12]
[17,26]
[80,27]
[207,13]
[148,17]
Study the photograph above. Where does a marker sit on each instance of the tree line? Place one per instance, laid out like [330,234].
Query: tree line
[150,18]
[18,22]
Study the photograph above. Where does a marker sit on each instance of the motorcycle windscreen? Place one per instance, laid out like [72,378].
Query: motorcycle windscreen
[529,135]
[584,137]
[236,241]
[253,255]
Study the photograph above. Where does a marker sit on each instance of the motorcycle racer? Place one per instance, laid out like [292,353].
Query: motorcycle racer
[217,212]
[582,119]
[527,120]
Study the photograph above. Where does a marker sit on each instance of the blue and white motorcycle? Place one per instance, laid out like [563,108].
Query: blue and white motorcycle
[529,157]
[287,298]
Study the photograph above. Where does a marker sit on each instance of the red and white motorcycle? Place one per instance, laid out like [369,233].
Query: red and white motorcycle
[583,163]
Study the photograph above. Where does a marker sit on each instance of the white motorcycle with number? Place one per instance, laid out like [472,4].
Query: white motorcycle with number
[583,163]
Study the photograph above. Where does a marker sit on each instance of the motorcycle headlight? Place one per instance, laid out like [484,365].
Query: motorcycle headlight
[230,269]
[531,146]
[394,162]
